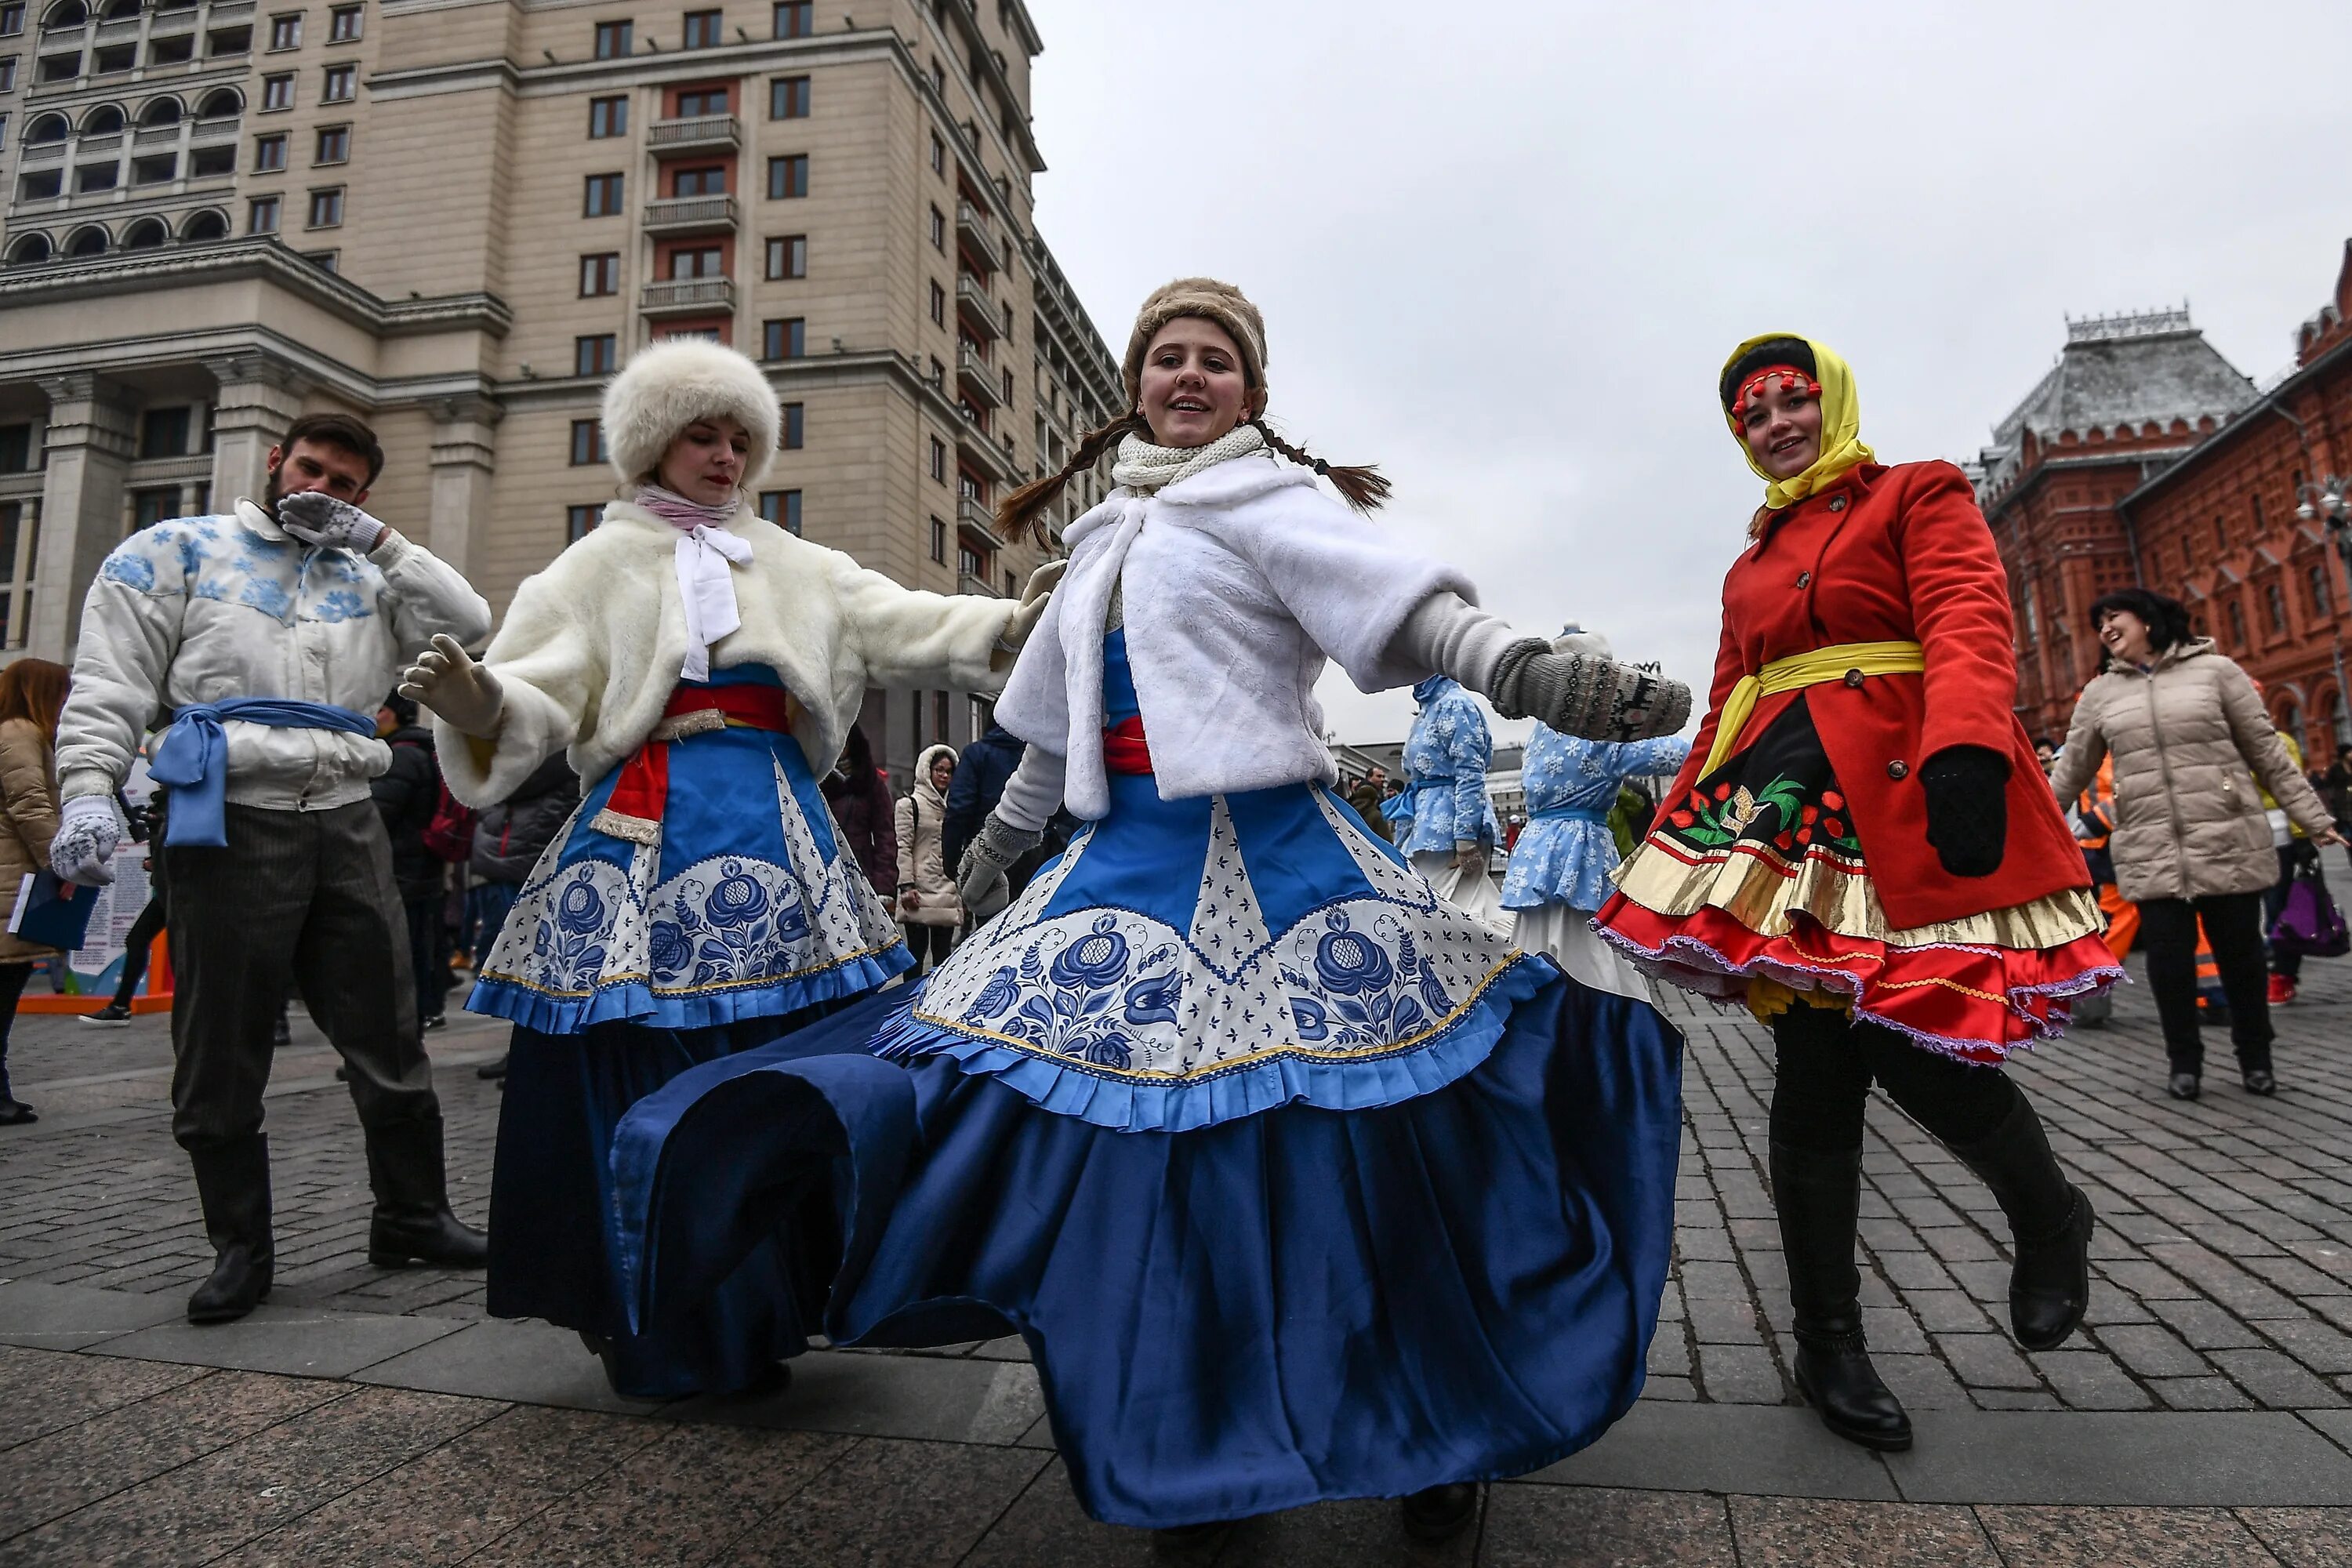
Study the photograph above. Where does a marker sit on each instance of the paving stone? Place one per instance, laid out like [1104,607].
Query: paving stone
[2086,1380]
[1724,1323]
[2316,1345]
[892,1505]
[1806,1532]
[2142,1537]
[1987,1361]
[47,1391]
[2152,1352]
[1740,1375]
[2215,1393]
[2276,1382]
[2302,1537]
[1920,1381]
[1758,1450]
[2205,1325]
[1596,1526]
[2124,1458]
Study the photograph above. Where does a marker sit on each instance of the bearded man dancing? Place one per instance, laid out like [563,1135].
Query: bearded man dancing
[266,639]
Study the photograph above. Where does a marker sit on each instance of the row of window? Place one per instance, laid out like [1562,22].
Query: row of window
[112,59]
[789,98]
[337,84]
[343,26]
[787,259]
[599,353]
[333,145]
[707,29]
[606,195]
[781,508]
[263,214]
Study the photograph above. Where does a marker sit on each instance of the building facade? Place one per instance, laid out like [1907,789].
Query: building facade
[2128,394]
[456,217]
[2246,529]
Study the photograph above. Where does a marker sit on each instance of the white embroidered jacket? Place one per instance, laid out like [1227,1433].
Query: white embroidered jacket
[592,647]
[1236,585]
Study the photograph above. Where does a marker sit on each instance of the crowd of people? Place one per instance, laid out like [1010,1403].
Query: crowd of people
[1070,1037]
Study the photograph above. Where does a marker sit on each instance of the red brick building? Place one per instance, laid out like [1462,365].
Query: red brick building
[2220,531]
[2129,396]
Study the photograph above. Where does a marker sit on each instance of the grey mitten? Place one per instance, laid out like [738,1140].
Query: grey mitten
[1587,696]
[981,880]
[315,516]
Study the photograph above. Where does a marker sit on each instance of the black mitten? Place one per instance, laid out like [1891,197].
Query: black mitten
[1968,808]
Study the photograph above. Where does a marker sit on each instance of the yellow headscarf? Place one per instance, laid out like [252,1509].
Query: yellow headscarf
[1842,446]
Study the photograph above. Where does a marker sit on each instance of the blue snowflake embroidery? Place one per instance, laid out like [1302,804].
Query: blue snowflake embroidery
[130,570]
[269,597]
[342,604]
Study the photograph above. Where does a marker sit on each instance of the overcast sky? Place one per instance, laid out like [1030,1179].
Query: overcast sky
[1503,249]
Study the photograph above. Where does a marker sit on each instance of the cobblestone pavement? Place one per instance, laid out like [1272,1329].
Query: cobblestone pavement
[374,1415]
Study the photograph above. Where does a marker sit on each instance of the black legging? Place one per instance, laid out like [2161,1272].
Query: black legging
[13,977]
[1828,1062]
[135,948]
[2233,924]
[930,944]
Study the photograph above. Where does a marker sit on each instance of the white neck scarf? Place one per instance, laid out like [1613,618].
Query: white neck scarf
[706,589]
[1144,468]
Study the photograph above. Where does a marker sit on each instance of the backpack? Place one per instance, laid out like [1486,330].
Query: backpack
[450,834]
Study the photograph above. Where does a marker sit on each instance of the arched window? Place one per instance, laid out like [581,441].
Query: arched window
[48,128]
[105,119]
[147,233]
[209,224]
[118,10]
[165,110]
[29,248]
[221,103]
[90,241]
[66,14]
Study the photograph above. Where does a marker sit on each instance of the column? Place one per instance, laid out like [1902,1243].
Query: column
[88,450]
[465,460]
[258,397]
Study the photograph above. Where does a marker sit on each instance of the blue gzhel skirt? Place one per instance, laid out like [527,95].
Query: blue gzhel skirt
[1299,1182]
[623,964]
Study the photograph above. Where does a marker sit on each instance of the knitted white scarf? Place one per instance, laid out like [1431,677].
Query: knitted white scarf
[1144,468]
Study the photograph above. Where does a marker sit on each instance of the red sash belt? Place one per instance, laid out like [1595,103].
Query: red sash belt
[1125,751]
[641,795]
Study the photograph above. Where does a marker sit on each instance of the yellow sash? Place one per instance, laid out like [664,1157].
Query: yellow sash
[1803,670]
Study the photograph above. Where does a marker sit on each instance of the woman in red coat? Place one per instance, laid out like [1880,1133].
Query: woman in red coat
[1863,850]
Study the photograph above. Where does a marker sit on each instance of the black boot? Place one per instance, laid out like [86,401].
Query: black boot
[233,1182]
[1818,1197]
[2050,1223]
[1441,1513]
[413,1223]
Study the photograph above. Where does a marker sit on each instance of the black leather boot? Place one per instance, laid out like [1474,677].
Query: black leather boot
[413,1223]
[1441,1513]
[2049,1223]
[233,1183]
[1818,1197]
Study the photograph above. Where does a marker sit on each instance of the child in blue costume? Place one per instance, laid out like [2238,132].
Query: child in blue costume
[1300,1182]
[702,666]
[1562,867]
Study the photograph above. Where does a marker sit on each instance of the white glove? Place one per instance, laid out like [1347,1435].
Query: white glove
[314,517]
[1034,595]
[981,880]
[90,829]
[445,679]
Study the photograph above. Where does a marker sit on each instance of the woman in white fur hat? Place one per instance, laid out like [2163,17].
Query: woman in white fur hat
[701,666]
[1300,1182]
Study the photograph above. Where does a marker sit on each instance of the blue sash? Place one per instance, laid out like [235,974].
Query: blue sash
[191,758]
[1570,814]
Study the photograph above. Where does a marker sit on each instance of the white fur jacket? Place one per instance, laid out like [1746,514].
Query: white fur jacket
[592,647]
[1236,585]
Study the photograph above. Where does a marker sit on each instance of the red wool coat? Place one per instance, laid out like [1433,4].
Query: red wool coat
[1888,554]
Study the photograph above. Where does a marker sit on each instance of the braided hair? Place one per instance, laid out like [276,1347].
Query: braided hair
[1363,487]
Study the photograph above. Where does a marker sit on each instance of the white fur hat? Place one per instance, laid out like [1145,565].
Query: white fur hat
[670,385]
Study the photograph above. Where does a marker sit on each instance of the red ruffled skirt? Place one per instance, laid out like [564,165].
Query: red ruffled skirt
[1753,888]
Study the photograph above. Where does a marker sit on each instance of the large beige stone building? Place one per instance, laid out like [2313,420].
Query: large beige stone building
[454,218]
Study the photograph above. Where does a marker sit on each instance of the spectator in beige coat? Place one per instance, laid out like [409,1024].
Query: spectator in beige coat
[32,692]
[2191,841]
[927,905]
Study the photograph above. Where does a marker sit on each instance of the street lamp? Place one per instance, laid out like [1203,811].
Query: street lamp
[2331,500]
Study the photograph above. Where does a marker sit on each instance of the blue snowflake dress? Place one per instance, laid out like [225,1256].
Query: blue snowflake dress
[1566,853]
[1300,1182]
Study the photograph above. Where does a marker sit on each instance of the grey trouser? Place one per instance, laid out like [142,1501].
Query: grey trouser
[299,896]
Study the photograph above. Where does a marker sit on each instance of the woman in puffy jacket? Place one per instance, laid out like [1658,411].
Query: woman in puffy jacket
[928,906]
[2191,841]
[32,692]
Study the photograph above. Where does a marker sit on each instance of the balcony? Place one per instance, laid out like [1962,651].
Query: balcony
[151,135]
[702,133]
[170,24]
[978,236]
[977,309]
[687,296]
[975,521]
[231,10]
[978,378]
[110,142]
[973,447]
[117,31]
[40,152]
[212,132]
[968,583]
[686,215]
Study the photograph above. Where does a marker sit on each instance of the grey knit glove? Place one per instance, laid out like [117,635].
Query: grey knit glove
[1581,695]
[981,880]
[314,517]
